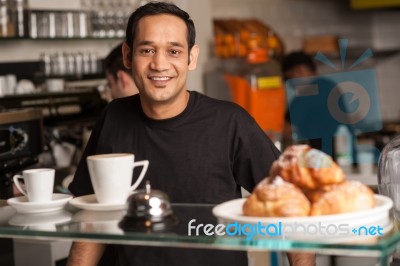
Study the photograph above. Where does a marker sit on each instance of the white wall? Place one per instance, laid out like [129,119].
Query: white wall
[201,16]
[30,50]
[386,36]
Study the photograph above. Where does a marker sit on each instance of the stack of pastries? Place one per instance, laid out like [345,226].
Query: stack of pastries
[306,182]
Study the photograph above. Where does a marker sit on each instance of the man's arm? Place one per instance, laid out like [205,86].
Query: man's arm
[301,259]
[85,254]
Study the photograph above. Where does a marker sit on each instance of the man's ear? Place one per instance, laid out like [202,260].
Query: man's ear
[127,55]
[126,84]
[193,55]
[123,78]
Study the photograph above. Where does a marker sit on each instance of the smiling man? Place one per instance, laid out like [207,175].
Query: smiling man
[161,61]
[200,150]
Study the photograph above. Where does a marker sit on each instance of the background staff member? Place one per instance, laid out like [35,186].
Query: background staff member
[118,76]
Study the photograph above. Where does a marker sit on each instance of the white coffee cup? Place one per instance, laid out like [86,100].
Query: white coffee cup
[39,184]
[111,176]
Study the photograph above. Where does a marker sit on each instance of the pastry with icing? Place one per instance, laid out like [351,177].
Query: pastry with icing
[276,198]
[307,168]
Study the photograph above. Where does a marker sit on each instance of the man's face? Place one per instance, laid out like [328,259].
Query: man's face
[299,71]
[160,59]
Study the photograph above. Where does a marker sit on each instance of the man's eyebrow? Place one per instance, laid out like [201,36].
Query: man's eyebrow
[170,43]
[177,44]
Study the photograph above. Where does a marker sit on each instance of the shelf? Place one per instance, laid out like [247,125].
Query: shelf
[357,52]
[60,39]
[356,58]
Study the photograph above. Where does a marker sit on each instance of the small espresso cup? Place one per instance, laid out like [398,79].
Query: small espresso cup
[39,184]
[111,176]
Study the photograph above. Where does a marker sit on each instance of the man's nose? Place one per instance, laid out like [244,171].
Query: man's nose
[160,62]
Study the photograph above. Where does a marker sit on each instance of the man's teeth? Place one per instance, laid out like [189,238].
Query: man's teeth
[160,78]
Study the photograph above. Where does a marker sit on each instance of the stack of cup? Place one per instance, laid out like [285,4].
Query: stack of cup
[8,83]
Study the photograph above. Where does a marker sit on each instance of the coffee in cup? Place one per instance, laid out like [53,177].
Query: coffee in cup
[111,176]
[39,184]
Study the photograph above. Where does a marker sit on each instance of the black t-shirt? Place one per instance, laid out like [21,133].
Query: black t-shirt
[203,155]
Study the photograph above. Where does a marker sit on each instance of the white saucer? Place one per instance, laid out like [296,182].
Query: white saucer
[40,220]
[22,205]
[89,202]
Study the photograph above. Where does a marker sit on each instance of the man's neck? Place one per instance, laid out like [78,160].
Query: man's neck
[165,110]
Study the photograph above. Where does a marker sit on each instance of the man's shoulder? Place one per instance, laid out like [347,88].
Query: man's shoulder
[125,100]
[213,104]
[123,103]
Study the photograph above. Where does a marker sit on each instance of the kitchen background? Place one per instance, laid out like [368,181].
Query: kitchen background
[293,20]
[81,34]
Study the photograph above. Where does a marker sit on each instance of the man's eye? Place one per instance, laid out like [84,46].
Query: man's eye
[147,51]
[174,52]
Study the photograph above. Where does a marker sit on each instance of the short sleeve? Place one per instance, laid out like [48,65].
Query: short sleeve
[254,154]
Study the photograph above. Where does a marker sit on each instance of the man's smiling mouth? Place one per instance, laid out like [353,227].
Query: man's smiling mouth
[160,78]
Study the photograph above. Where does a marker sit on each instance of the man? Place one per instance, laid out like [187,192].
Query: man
[309,116]
[118,76]
[297,65]
[201,150]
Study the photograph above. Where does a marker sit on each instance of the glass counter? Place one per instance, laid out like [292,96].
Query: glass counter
[105,227]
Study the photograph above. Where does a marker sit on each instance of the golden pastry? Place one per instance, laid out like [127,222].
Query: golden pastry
[276,199]
[307,168]
[349,196]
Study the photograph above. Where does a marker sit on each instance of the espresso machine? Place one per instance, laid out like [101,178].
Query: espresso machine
[31,125]
[21,142]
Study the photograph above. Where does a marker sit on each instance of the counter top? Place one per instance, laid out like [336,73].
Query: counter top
[103,226]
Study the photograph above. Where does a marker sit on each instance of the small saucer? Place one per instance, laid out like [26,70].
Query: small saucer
[89,202]
[22,205]
[40,220]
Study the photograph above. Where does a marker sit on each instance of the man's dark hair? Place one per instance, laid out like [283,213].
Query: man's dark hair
[298,58]
[158,8]
[113,62]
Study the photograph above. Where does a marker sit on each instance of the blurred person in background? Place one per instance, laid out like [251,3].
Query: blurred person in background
[312,113]
[295,65]
[119,78]
[298,65]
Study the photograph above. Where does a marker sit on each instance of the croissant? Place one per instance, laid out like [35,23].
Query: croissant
[307,168]
[276,199]
[346,197]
